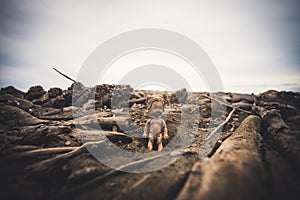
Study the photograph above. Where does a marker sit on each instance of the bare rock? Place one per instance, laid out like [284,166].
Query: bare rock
[235,171]
[52,112]
[285,110]
[54,92]
[180,96]
[12,116]
[77,86]
[205,112]
[107,100]
[280,132]
[13,91]
[137,95]
[8,99]
[90,104]
[56,114]
[243,105]
[35,92]
[242,97]
[67,94]
[58,102]
[42,100]
[192,98]
[80,97]
[141,100]
[293,122]
[121,95]
[289,98]
[257,161]
[48,136]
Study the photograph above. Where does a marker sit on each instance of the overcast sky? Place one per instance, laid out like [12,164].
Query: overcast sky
[254,44]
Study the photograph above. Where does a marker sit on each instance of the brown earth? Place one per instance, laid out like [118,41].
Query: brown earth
[45,136]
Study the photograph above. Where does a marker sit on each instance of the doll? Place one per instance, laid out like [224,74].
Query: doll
[156,127]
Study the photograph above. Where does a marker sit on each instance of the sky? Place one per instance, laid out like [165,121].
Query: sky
[254,45]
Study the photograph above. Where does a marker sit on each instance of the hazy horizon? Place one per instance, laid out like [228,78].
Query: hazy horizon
[148,89]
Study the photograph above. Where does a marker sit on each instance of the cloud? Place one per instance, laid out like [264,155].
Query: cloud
[251,42]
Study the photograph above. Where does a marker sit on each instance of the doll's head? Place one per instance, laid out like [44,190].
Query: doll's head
[156,106]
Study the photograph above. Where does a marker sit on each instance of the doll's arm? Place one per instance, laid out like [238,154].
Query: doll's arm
[146,128]
[166,136]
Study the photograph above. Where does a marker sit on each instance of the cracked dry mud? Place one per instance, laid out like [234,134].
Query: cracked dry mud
[44,155]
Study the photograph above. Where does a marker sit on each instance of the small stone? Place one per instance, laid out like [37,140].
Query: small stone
[58,102]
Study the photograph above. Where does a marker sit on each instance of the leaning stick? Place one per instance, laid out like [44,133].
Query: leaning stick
[222,124]
[45,151]
[211,140]
[72,151]
[35,151]
[67,151]
[64,75]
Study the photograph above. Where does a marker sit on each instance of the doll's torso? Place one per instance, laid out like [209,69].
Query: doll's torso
[155,126]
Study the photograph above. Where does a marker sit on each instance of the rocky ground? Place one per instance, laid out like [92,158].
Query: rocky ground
[45,136]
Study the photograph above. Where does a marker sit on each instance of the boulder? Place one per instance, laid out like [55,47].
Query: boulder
[192,98]
[54,92]
[11,116]
[42,100]
[179,96]
[81,96]
[289,98]
[48,136]
[137,95]
[8,99]
[107,100]
[35,92]
[235,171]
[242,97]
[13,91]
[90,104]
[67,94]
[121,95]
[243,105]
[58,102]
